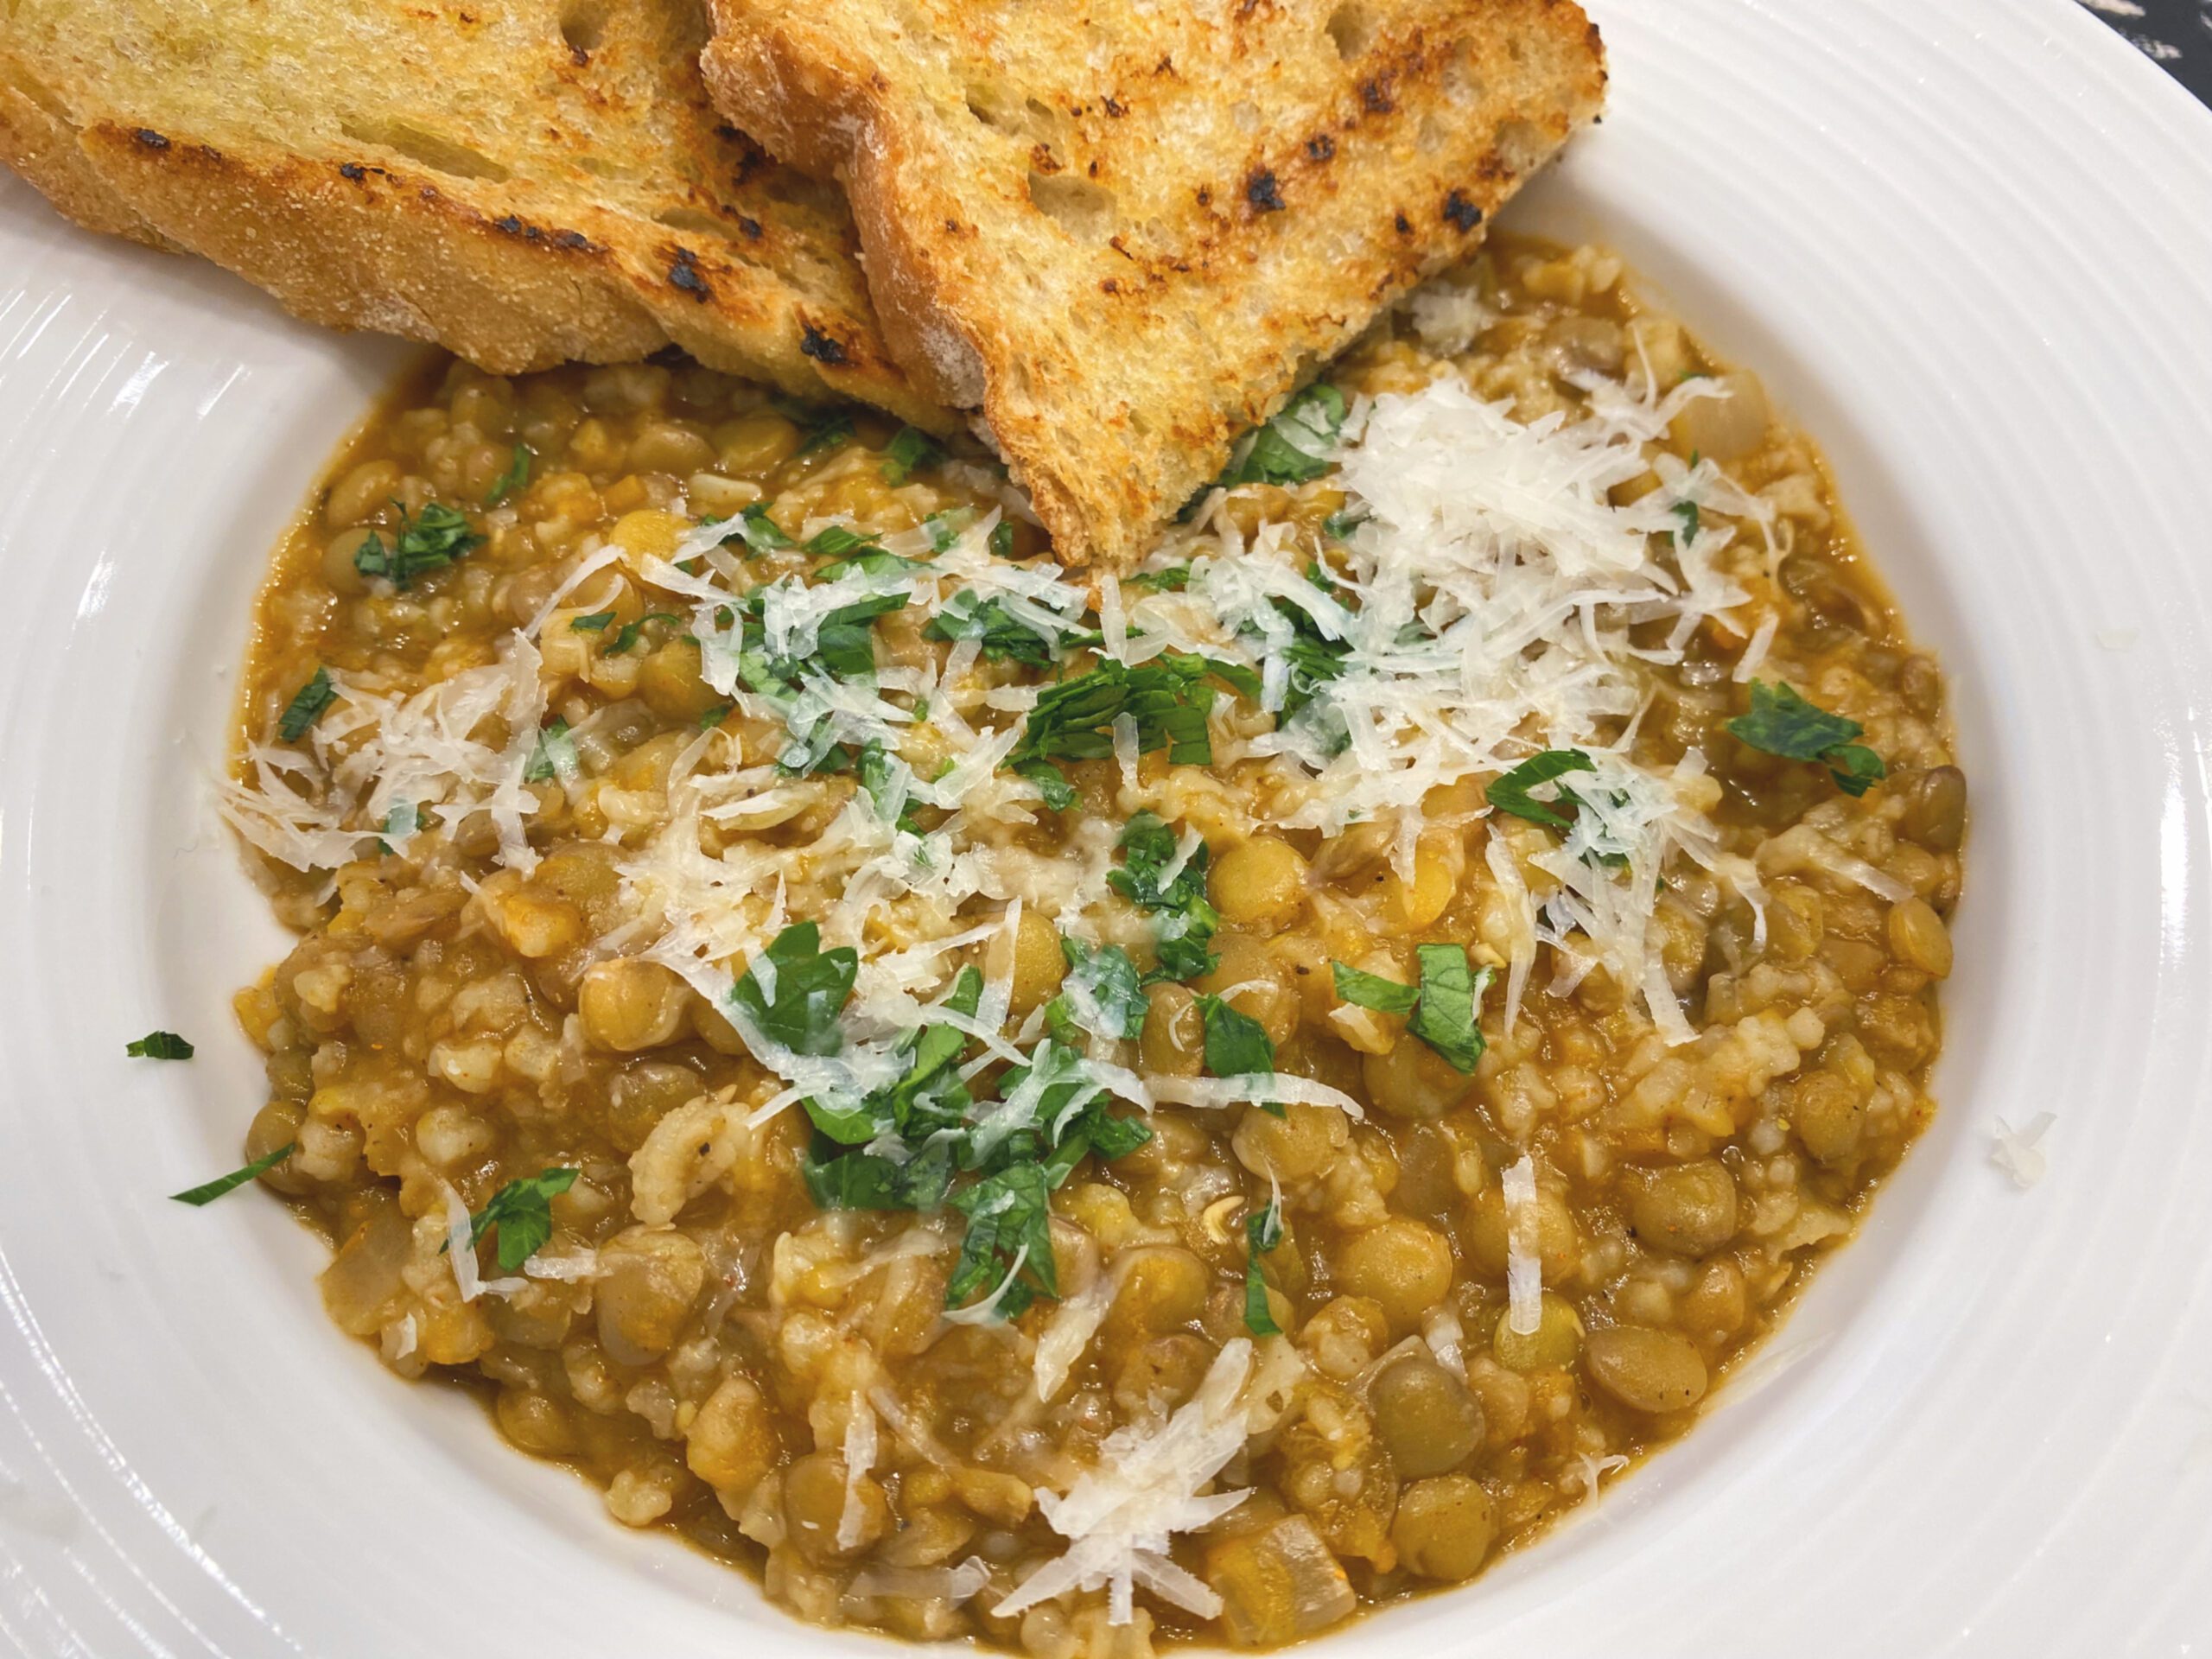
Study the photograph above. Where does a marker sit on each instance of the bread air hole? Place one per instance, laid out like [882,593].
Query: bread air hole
[691,219]
[427,149]
[1085,211]
[1352,29]
[583,24]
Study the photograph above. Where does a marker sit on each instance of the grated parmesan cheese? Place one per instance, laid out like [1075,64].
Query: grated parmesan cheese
[1148,1485]
[1524,1267]
[859,1459]
[2020,1152]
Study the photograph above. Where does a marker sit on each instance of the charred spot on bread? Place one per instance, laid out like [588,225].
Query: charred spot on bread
[1321,147]
[1261,191]
[1461,211]
[685,273]
[822,348]
[151,139]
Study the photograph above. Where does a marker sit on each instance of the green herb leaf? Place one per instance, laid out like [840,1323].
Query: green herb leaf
[1510,792]
[213,1190]
[307,705]
[628,634]
[595,623]
[159,1045]
[1293,446]
[1373,991]
[1104,994]
[946,528]
[1339,525]
[1009,1232]
[811,987]
[1002,636]
[429,541]
[1855,768]
[828,431]
[1451,998]
[1174,579]
[1111,1136]
[835,542]
[1147,848]
[1262,1233]
[910,448]
[1002,539]
[1688,512]
[837,1179]
[1168,698]
[1237,1044]
[521,1213]
[1059,794]
[555,755]
[1781,722]
[517,476]
[757,531]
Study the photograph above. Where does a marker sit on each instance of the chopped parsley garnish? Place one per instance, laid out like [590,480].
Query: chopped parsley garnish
[1450,996]
[835,542]
[1365,990]
[1009,1233]
[1172,580]
[517,477]
[211,1190]
[1002,539]
[909,449]
[1293,446]
[1688,512]
[872,767]
[758,531]
[811,986]
[1339,525]
[555,755]
[595,623]
[1187,916]
[430,541]
[825,431]
[1313,658]
[1782,723]
[159,1045]
[627,636]
[944,528]
[1002,635]
[1168,698]
[1262,1233]
[521,1214]
[1237,1044]
[1051,782]
[307,705]
[1514,793]
[1445,1006]
[1104,994]
[904,1147]
[1510,793]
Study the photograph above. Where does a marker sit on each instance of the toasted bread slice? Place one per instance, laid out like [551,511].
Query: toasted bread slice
[525,181]
[1127,231]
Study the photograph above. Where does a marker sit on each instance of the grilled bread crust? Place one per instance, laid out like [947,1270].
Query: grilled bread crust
[1126,232]
[524,182]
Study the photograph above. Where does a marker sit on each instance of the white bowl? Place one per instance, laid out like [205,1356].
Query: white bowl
[1967,244]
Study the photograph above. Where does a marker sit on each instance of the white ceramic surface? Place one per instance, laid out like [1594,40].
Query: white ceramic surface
[1969,243]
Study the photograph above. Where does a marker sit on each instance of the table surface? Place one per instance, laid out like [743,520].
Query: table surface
[2175,34]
